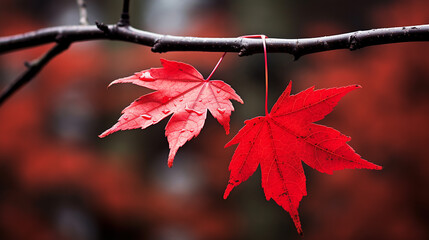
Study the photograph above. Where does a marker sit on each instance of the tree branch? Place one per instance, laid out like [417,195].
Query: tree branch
[243,46]
[125,16]
[164,43]
[34,68]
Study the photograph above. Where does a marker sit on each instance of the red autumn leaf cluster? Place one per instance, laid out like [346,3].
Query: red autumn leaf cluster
[278,142]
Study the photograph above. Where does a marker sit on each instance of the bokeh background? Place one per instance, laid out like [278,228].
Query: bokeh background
[58,180]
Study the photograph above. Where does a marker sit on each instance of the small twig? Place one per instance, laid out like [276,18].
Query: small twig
[83,14]
[125,16]
[34,68]
[103,27]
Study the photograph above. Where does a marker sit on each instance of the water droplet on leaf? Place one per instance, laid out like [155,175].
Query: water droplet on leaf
[221,110]
[218,91]
[146,116]
[190,110]
[166,111]
[146,76]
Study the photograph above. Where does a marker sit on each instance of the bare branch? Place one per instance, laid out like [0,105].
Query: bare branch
[243,46]
[34,68]
[164,43]
[83,14]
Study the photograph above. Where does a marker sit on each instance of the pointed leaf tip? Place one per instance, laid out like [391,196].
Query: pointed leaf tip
[377,167]
[297,223]
[228,190]
[170,161]
[171,156]
[288,88]
[105,133]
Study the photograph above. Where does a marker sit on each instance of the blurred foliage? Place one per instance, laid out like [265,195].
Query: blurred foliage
[59,181]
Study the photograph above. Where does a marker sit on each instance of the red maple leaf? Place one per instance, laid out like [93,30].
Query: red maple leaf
[181,91]
[287,136]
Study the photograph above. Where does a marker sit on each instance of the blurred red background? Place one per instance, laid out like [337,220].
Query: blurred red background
[58,180]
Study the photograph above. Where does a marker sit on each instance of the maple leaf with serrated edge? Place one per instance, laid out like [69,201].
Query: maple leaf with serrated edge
[285,137]
[182,91]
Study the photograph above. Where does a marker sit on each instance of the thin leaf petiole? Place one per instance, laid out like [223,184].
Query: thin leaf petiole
[264,44]
[215,68]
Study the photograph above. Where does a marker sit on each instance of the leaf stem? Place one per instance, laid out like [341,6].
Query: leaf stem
[264,44]
[266,73]
[215,68]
